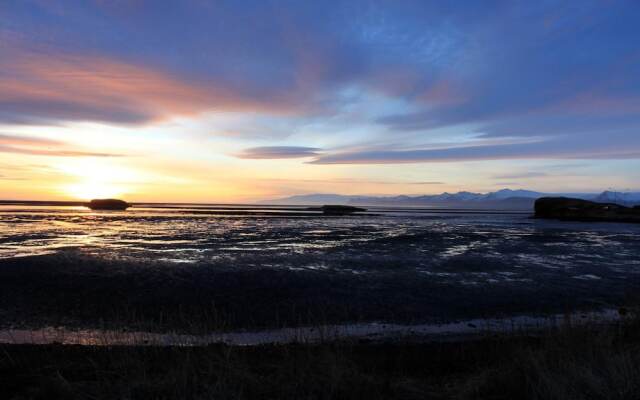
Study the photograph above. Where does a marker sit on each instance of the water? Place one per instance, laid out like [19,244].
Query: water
[488,248]
[273,264]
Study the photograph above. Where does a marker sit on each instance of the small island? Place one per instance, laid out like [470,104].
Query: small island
[569,209]
[108,204]
[337,209]
[340,210]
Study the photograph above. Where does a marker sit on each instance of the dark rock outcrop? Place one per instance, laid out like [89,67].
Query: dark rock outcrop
[108,204]
[338,209]
[569,209]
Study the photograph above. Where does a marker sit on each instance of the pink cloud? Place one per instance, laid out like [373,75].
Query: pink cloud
[60,87]
[31,145]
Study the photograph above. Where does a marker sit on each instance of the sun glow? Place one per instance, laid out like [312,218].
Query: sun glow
[95,178]
[94,190]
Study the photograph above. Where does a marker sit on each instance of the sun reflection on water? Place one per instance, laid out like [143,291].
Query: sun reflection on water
[466,250]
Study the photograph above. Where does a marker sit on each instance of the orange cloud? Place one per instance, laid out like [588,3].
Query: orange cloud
[26,140]
[42,147]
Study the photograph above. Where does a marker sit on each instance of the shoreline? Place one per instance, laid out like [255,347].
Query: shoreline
[569,362]
[463,330]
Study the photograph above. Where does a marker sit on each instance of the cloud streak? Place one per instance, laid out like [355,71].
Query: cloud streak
[522,175]
[37,146]
[279,152]
[347,181]
[47,87]
[611,146]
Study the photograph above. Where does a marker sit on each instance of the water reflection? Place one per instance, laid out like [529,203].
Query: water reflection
[473,249]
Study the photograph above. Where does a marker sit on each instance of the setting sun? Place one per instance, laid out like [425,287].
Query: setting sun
[97,178]
[94,190]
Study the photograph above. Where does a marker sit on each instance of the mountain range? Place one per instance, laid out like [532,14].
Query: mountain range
[505,199]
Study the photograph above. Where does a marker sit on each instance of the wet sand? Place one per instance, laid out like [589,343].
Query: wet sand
[85,292]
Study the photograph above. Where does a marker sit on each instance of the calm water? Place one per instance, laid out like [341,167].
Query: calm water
[418,261]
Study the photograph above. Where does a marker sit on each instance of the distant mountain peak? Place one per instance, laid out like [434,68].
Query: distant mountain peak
[506,198]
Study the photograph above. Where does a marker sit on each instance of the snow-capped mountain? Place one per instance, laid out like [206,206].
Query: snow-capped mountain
[502,198]
[505,198]
[508,193]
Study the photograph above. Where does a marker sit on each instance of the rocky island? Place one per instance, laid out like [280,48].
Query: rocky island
[108,204]
[569,209]
[337,209]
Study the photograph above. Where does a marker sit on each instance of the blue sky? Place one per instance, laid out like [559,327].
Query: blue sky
[245,100]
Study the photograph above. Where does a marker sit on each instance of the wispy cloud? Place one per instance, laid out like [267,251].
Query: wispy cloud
[522,175]
[348,181]
[38,87]
[27,140]
[612,146]
[277,152]
[8,178]
[37,146]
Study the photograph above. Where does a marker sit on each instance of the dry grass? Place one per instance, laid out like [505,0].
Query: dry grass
[596,362]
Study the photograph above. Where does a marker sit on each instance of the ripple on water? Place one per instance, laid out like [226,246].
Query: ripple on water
[509,248]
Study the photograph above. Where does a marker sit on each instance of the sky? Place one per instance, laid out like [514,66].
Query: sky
[239,101]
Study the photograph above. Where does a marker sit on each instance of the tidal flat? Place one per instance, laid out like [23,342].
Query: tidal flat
[404,304]
[164,269]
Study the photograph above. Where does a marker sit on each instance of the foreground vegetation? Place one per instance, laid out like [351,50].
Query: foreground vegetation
[596,362]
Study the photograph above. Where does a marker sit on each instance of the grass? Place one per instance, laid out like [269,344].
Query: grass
[588,362]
